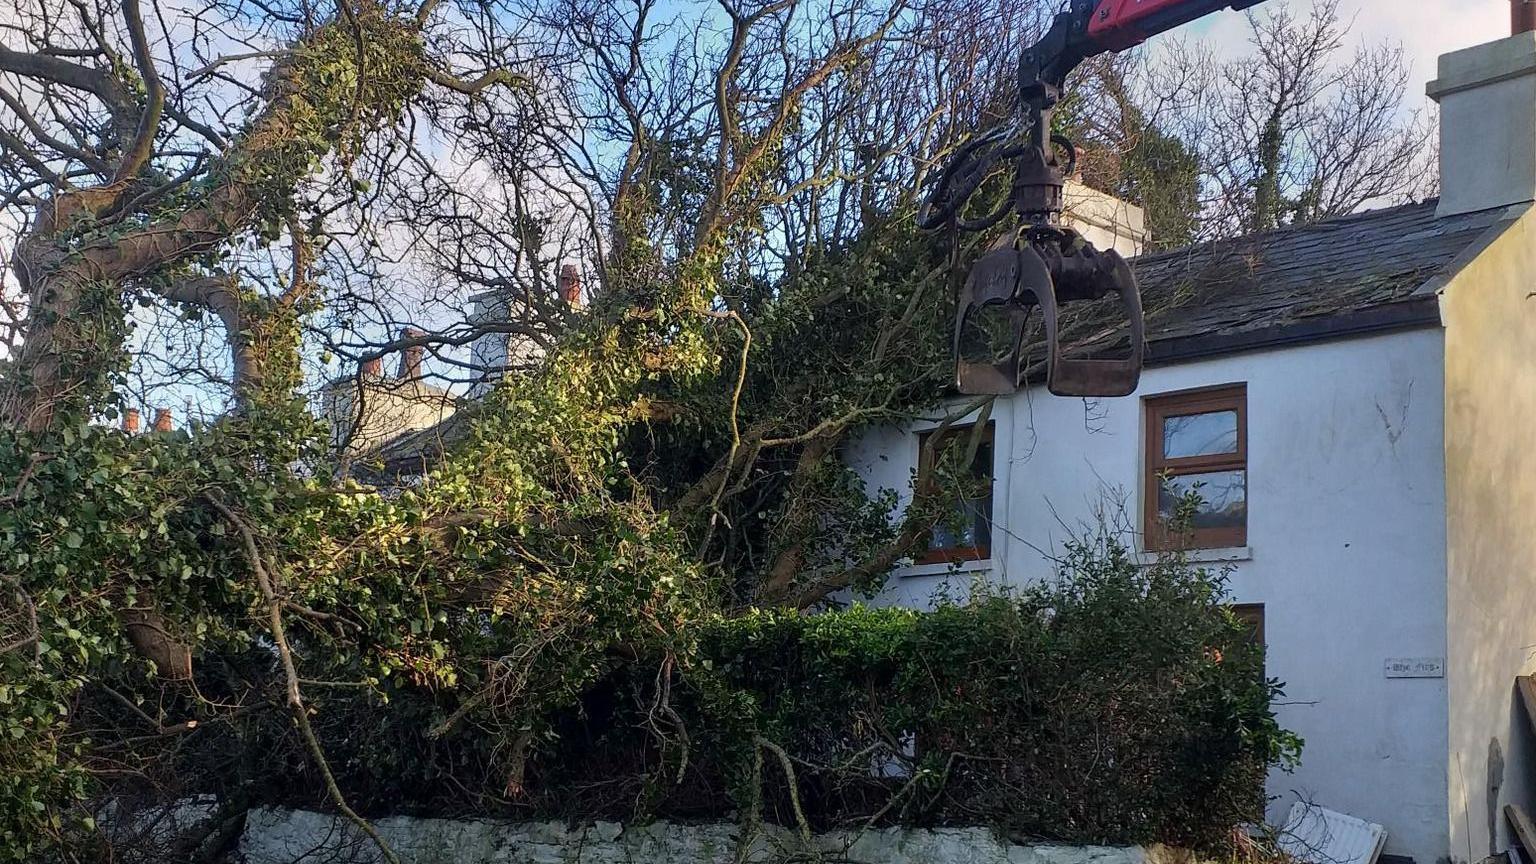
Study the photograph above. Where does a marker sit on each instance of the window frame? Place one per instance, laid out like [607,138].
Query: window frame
[1252,614]
[961,554]
[1157,409]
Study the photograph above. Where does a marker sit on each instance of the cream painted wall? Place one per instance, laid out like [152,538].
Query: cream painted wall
[389,409]
[1490,415]
[1104,220]
[1347,547]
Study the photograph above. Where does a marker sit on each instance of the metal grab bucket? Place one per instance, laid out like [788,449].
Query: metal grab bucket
[1049,270]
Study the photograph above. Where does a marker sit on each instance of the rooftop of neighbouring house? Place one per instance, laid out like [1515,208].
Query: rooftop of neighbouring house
[1368,272]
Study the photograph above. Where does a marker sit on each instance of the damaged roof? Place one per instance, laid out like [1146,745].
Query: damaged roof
[415,452]
[1354,274]
[1369,272]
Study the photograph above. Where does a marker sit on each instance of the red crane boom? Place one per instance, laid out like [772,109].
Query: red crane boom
[1047,265]
[1121,24]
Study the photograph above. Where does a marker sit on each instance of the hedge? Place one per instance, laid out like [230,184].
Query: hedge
[1118,704]
[1115,704]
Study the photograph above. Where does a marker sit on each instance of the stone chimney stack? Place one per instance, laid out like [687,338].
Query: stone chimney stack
[131,421]
[570,286]
[162,420]
[1104,220]
[410,358]
[1487,97]
[373,369]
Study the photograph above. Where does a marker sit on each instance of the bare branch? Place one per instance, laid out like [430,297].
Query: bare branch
[137,154]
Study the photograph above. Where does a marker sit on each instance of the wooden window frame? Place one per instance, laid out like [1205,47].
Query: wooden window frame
[1252,614]
[1229,397]
[962,554]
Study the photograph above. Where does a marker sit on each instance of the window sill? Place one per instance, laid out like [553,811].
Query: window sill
[1202,556]
[944,568]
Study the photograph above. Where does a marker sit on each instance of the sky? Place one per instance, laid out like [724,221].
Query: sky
[1425,28]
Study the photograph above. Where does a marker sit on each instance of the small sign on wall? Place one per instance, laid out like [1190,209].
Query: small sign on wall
[1415,667]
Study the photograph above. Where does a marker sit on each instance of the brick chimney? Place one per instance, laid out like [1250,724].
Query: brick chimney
[162,419]
[1487,97]
[570,286]
[131,421]
[373,369]
[410,358]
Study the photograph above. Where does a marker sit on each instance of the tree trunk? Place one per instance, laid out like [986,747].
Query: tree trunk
[65,268]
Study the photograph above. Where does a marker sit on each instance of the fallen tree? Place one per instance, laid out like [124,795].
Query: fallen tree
[186,611]
[1118,704]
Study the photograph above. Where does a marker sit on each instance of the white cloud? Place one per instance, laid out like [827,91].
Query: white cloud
[1429,28]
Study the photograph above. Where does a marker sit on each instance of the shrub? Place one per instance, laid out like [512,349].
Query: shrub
[1114,704]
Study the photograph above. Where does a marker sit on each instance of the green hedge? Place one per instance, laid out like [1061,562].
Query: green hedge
[1116,704]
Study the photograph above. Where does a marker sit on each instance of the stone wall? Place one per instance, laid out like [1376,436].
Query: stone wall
[285,836]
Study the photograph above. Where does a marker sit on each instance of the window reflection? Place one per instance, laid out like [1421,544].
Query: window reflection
[1223,498]
[966,534]
[1210,434]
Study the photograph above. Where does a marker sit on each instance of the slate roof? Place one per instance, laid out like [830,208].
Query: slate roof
[1368,272]
[1240,293]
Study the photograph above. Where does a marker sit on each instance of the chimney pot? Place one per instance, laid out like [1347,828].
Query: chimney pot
[570,285]
[410,358]
[1522,16]
[131,421]
[162,420]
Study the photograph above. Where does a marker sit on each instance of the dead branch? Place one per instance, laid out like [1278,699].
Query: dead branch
[735,414]
[793,782]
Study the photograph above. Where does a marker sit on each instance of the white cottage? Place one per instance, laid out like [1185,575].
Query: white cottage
[1358,398]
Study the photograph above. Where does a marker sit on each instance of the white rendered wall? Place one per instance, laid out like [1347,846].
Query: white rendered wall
[1487,98]
[1347,547]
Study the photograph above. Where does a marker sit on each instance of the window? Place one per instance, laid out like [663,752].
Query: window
[1252,614]
[967,535]
[1197,442]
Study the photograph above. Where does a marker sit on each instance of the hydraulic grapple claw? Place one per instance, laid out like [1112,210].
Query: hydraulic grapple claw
[998,280]
[1088,274]
[1053,269]
[1051,266]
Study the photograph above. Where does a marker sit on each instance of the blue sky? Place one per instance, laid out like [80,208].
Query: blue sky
[1425,28]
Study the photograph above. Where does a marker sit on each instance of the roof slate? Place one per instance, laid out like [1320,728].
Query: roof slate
[1294,274]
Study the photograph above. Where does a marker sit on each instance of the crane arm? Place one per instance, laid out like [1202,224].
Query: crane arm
[1120,24]
[1047,264]
[1088,28]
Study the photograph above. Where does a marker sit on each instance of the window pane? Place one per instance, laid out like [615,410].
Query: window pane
[1211,434]
[959,535]
[1223,498]
[981,466]
[970,526]
[1252,615]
